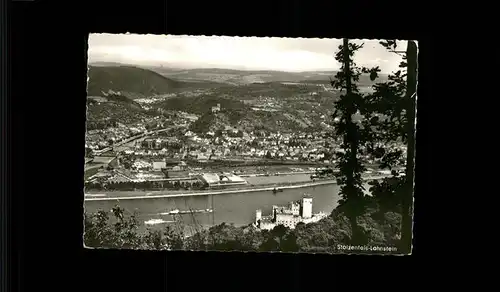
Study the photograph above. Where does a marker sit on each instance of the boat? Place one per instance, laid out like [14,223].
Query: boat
[275,190]
[198,211]
[176,211]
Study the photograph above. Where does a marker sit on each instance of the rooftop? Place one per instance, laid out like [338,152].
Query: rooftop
[284,210]
[234,178]
[213,178]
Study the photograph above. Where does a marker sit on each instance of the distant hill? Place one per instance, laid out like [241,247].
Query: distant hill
[247,120]
[241,77]
[232,77]
[108,64]
[105,112]
[132,82]
[201,104]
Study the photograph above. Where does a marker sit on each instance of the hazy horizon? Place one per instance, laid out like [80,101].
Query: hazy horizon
[234,53]
[204,68]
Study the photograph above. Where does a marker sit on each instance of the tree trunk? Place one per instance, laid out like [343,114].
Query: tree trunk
[349,124]
[407,199]
[351,136]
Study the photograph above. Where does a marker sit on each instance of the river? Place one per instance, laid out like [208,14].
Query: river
[236,208]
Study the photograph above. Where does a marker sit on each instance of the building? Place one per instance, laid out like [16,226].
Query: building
[141,165]
[202,157]
[289,216]
[159,165]
[222,179]
[216,109]
[148,143]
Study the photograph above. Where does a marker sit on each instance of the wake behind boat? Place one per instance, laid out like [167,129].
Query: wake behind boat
[157,221]
[177,211]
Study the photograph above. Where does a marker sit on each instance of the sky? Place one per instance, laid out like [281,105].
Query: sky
[242,53]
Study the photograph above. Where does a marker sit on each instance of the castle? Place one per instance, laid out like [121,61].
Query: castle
[289,216]
[216,109]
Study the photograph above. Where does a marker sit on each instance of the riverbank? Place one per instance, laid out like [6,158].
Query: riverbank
[171,194]
[138,195]
[277,173]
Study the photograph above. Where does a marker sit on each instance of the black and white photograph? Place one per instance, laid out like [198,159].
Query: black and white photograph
[250,144]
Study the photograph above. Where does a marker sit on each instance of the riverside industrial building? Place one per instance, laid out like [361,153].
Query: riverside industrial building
[221,179]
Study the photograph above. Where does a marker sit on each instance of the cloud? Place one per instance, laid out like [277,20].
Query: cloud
[286,54]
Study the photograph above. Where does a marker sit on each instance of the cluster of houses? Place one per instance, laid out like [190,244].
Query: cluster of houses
[102,138]
[267,104]
[282,146]
[157,165]
[159,143]
[99,139]
[275,145]
[154,99]
[287,153]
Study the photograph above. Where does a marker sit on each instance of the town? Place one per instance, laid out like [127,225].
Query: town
[161,152]
[186,152]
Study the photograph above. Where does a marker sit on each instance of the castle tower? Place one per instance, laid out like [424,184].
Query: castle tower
[258,216]
[274,212]
[294,207]
[306,207]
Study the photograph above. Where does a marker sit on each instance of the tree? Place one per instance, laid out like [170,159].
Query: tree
[154,240]
[122,233]
[251,239]
[280,238]
[127,164]
[350,103]
[393,108]
[407,202]
[323,236]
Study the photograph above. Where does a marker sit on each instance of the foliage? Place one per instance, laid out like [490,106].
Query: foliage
[323,236]
[107,114]
[202,125]
[352,134]
[121,230]
[382,124]
[392,109]
[201,104]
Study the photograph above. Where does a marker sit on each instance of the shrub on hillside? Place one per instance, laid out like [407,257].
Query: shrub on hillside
[121,231]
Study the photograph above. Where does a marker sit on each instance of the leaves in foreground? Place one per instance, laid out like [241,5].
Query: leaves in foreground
[119,229]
